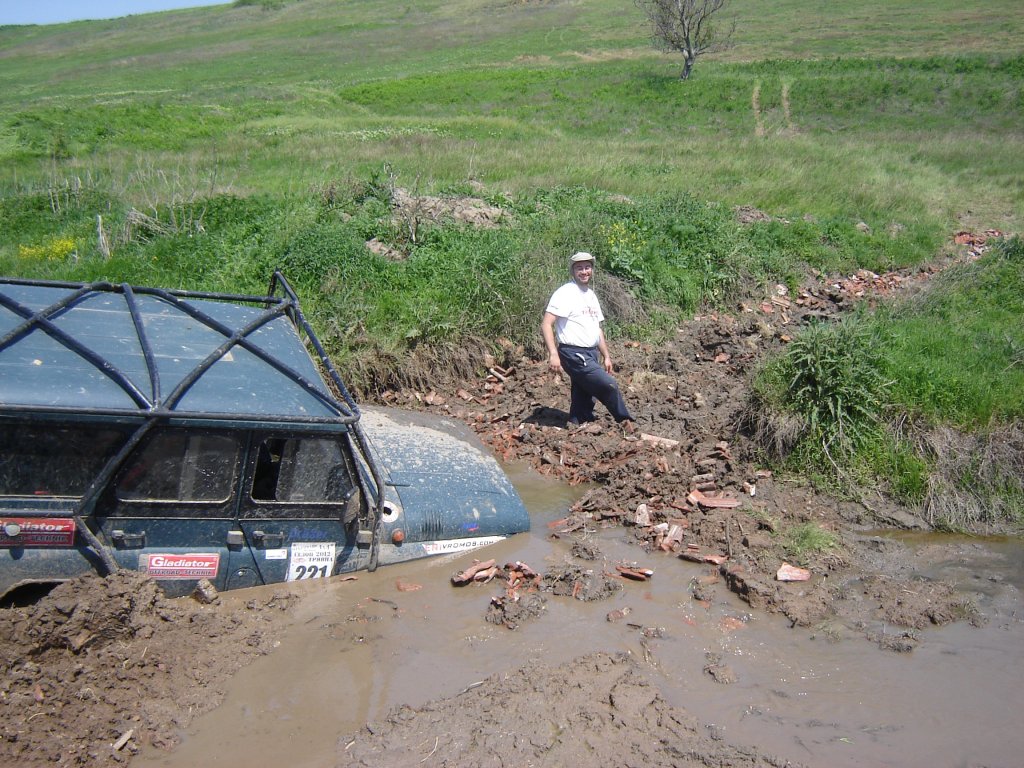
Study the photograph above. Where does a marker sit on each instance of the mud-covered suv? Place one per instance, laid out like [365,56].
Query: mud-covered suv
[208,436]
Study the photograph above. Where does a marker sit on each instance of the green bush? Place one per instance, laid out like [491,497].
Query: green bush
[830,378]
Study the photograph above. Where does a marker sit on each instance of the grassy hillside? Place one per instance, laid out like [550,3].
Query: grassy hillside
[902,115]
[202,148]
[901,109]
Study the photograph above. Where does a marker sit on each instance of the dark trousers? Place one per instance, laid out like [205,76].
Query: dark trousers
[589,382]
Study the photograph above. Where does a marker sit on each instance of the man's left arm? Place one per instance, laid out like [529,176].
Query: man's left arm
[602,347]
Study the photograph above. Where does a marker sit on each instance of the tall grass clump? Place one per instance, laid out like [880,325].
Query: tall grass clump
[805,541]
[825,395]
[976,481]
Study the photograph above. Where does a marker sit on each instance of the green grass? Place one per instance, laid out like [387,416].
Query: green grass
[957,354]
[802,542]
[672,251]
[924,398]
[887,142]
[553,107]
[882,120]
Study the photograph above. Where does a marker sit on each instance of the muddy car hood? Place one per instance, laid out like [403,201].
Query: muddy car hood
[448,483]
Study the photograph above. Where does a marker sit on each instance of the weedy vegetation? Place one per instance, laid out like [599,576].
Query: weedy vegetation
[925,395]
[808,540]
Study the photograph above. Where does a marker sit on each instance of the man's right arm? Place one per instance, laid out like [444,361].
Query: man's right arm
[547,330]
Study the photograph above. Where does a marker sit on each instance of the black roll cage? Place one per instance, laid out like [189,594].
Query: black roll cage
[154,408]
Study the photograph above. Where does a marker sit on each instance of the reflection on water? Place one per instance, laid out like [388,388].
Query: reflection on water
[357,648]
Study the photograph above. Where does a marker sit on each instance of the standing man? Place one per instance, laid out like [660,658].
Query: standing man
[573,335]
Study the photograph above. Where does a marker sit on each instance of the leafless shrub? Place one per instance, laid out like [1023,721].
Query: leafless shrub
[686,27]
[169,202]
[619,302]
[66,194]
[775,432]
[102,240]
[140,227]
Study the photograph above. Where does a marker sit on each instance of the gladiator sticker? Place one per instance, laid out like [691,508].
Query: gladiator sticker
[37,532]
[203,565]
[459,545]
[311,560]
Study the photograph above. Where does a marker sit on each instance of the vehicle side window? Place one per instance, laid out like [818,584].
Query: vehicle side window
[50,461]
[302,470]
[178,465]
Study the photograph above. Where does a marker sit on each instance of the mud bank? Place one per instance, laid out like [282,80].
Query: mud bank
[103,666]
[599,710]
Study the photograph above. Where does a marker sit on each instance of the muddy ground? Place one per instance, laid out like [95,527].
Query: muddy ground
[103,667]
[100,666]
[600,711]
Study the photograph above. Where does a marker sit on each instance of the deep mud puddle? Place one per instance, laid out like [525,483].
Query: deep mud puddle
[355,649]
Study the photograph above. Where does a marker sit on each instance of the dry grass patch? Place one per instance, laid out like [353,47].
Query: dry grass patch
[977,483]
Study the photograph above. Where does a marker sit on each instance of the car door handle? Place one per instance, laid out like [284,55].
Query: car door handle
[268,540]
[124,540]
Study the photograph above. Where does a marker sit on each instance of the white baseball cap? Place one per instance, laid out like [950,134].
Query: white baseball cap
[580,256]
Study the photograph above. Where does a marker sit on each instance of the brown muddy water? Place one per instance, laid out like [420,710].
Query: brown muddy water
[355,649]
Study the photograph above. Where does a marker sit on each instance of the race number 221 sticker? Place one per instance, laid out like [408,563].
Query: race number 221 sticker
[311,560]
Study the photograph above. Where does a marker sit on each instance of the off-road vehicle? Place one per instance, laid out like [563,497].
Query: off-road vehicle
[208,436]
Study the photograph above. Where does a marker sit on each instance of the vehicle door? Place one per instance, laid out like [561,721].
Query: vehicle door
[300,512]
[171,510]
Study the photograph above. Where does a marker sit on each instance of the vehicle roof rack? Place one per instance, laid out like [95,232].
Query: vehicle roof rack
[117,349]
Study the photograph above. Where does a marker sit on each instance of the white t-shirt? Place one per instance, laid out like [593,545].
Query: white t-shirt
[578,314]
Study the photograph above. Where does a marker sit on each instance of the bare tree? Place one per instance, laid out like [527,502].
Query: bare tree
[685,26]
